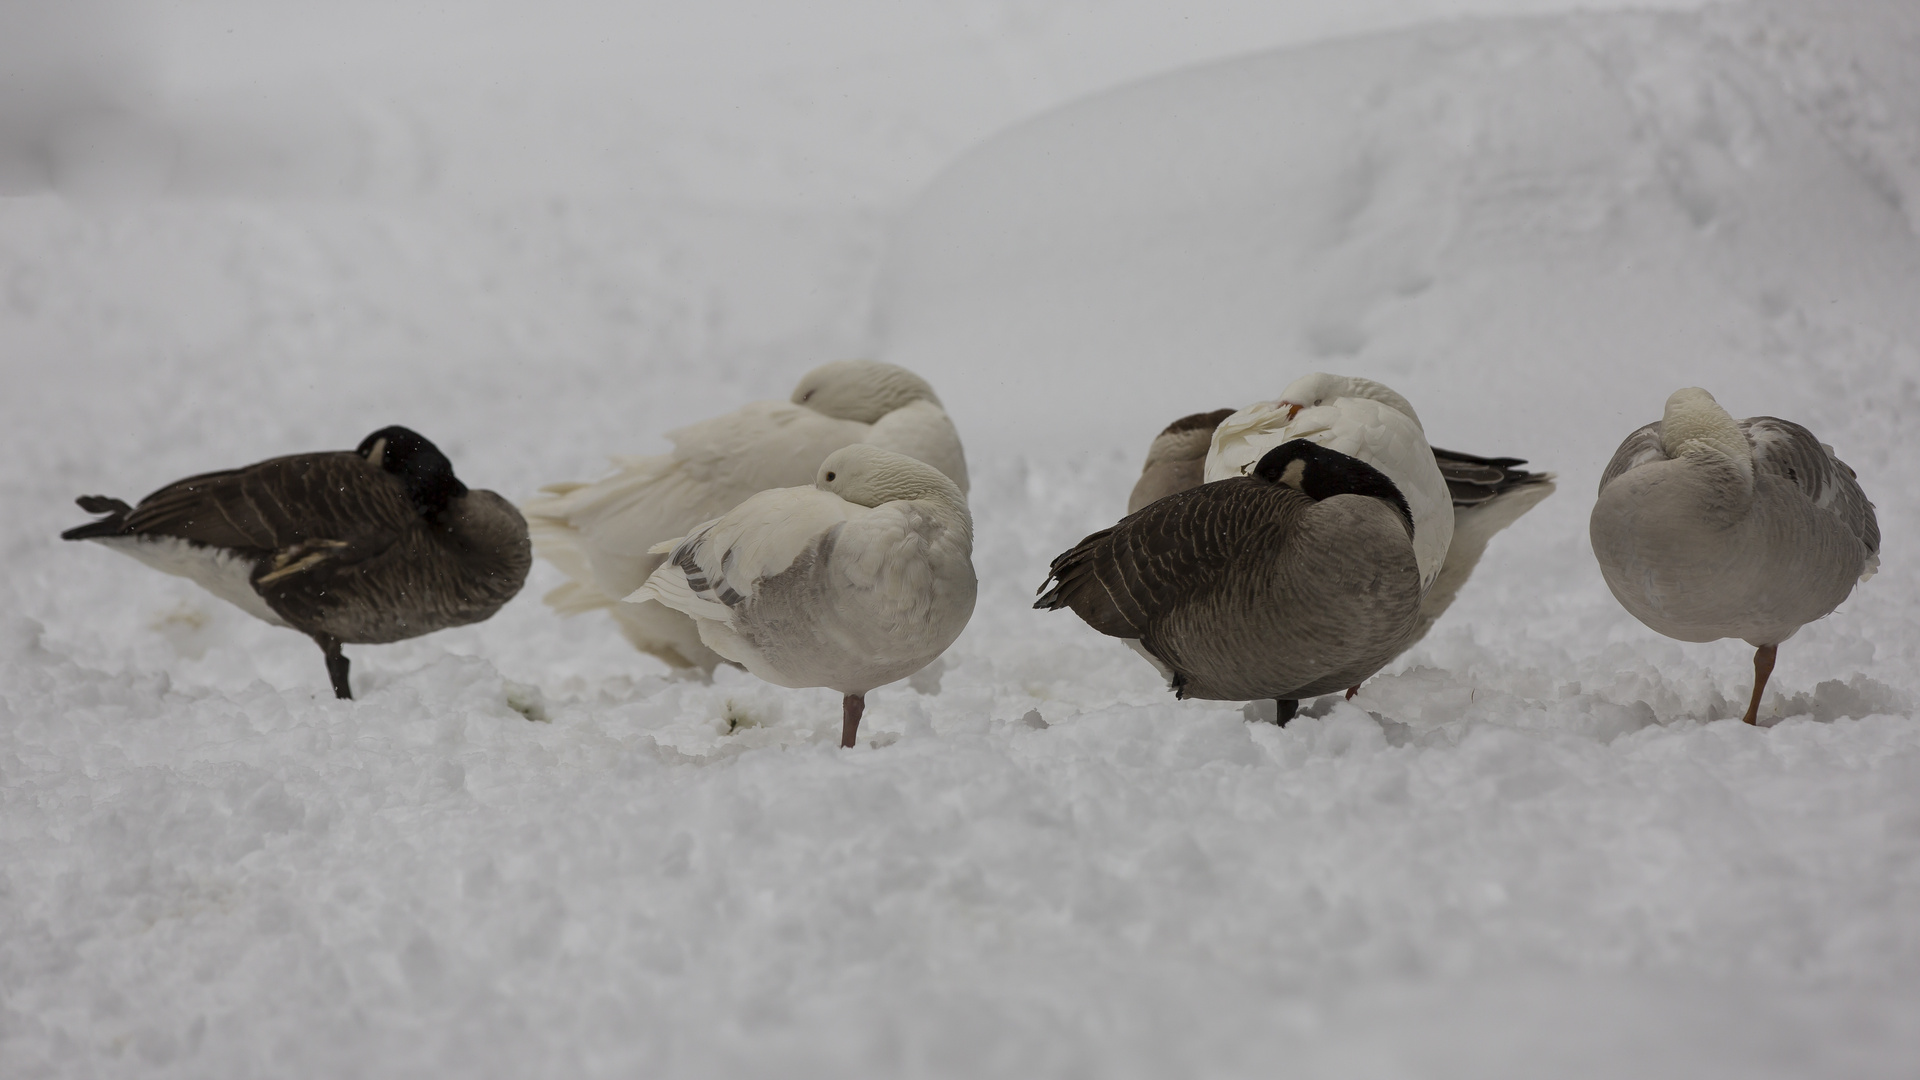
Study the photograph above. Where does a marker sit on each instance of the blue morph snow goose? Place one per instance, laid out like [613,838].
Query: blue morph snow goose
[1709,527]
[864,578]
[602,534]
[362,547]
[1297,580]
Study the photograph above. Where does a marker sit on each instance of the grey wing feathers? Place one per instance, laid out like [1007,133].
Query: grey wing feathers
[1120,579]
[1635,450]
[1787,450]
[1474,480]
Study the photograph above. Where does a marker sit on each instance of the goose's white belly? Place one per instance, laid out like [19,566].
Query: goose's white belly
[216,570]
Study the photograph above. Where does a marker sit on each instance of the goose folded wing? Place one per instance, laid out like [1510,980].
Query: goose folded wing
[1791,452]
[1124,579]
[721,566]
[1640,448]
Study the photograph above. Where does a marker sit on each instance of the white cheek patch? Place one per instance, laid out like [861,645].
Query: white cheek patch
[220,572]
[1295,475]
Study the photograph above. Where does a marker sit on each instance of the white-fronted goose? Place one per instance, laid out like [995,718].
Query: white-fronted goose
[359,547]
[864,578]
[1295,581]
[601,535]
[1709,527]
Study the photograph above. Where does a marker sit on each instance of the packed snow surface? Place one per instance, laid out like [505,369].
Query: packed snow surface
[1536,846]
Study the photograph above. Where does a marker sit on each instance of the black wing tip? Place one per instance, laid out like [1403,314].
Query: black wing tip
[111,525]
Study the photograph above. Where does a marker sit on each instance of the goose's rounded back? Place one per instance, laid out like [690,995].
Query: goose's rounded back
[862,390]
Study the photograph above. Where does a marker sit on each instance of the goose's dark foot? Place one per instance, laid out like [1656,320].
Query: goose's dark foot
[1352,690]
[850,710]
[1762,671]
[1283,710]
[336,668]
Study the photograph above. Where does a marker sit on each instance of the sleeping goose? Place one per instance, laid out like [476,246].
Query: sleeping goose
[1298,580]
[365,547]
[601,535]
[864,578]
[1459,501]
[1710,527]
[1177,459]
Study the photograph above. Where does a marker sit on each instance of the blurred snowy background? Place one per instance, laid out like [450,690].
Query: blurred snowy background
[545,233]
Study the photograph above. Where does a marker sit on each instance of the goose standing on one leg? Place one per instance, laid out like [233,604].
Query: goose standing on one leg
[366,547]
[860,580]
[602,535]
[1298,580]
[1709,527]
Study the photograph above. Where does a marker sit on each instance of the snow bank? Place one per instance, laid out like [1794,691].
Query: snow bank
[1535,847]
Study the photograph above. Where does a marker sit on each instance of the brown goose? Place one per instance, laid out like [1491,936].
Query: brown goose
[1296,581]
[1488,494]
[365,547]
[1709,527]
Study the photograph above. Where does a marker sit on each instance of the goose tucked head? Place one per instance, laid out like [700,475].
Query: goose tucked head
[1695,424]
[422,469]
[1320,388]
[867,475]
[1320,473]
[862,390]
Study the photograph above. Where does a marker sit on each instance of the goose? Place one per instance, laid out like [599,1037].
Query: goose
[362,547]
[1177,459]
[602,534]
[1460,501]
[1708,527]
[1297,580]
[864,578]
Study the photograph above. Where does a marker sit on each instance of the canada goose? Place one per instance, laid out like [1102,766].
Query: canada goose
[365,547]
[601,535]
[1709,527]
[1487,494]
[861,579]
[1295,581]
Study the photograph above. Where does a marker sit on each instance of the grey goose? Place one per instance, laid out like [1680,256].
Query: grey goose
[861,579]
[601,534]
[1297,580]
[362,547]
[1708,527]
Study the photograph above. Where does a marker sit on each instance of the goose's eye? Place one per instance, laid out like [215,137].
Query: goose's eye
[1319,401]
[808,396]
[829,478]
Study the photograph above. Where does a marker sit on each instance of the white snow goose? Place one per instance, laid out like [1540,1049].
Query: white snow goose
[1709,527]
[361,547]
[864,578]
[602,534]
[1298,580]
[1459,501]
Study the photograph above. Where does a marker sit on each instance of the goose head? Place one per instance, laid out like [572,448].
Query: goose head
[1320,388]
[1320,473]
[862,390]
[418,464]
[1695,425]
[868,476]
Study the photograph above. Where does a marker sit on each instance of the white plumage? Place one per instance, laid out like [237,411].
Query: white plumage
[601,535]
[860,580]
[1359,418]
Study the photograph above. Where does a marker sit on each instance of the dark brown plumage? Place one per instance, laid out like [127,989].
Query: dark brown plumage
[1296,581]
[369,546]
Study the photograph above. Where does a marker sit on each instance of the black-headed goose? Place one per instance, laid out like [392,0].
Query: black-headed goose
[601,534]
[1372,422]
[359,547]
[1709,527]
[864,578]
[1297,580]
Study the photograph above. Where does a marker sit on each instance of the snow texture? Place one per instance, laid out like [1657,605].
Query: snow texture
[1536,846]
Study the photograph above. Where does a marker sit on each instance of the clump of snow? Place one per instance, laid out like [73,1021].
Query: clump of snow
[1538,845]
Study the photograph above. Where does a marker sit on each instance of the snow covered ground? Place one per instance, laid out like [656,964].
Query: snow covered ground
[1534,847]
